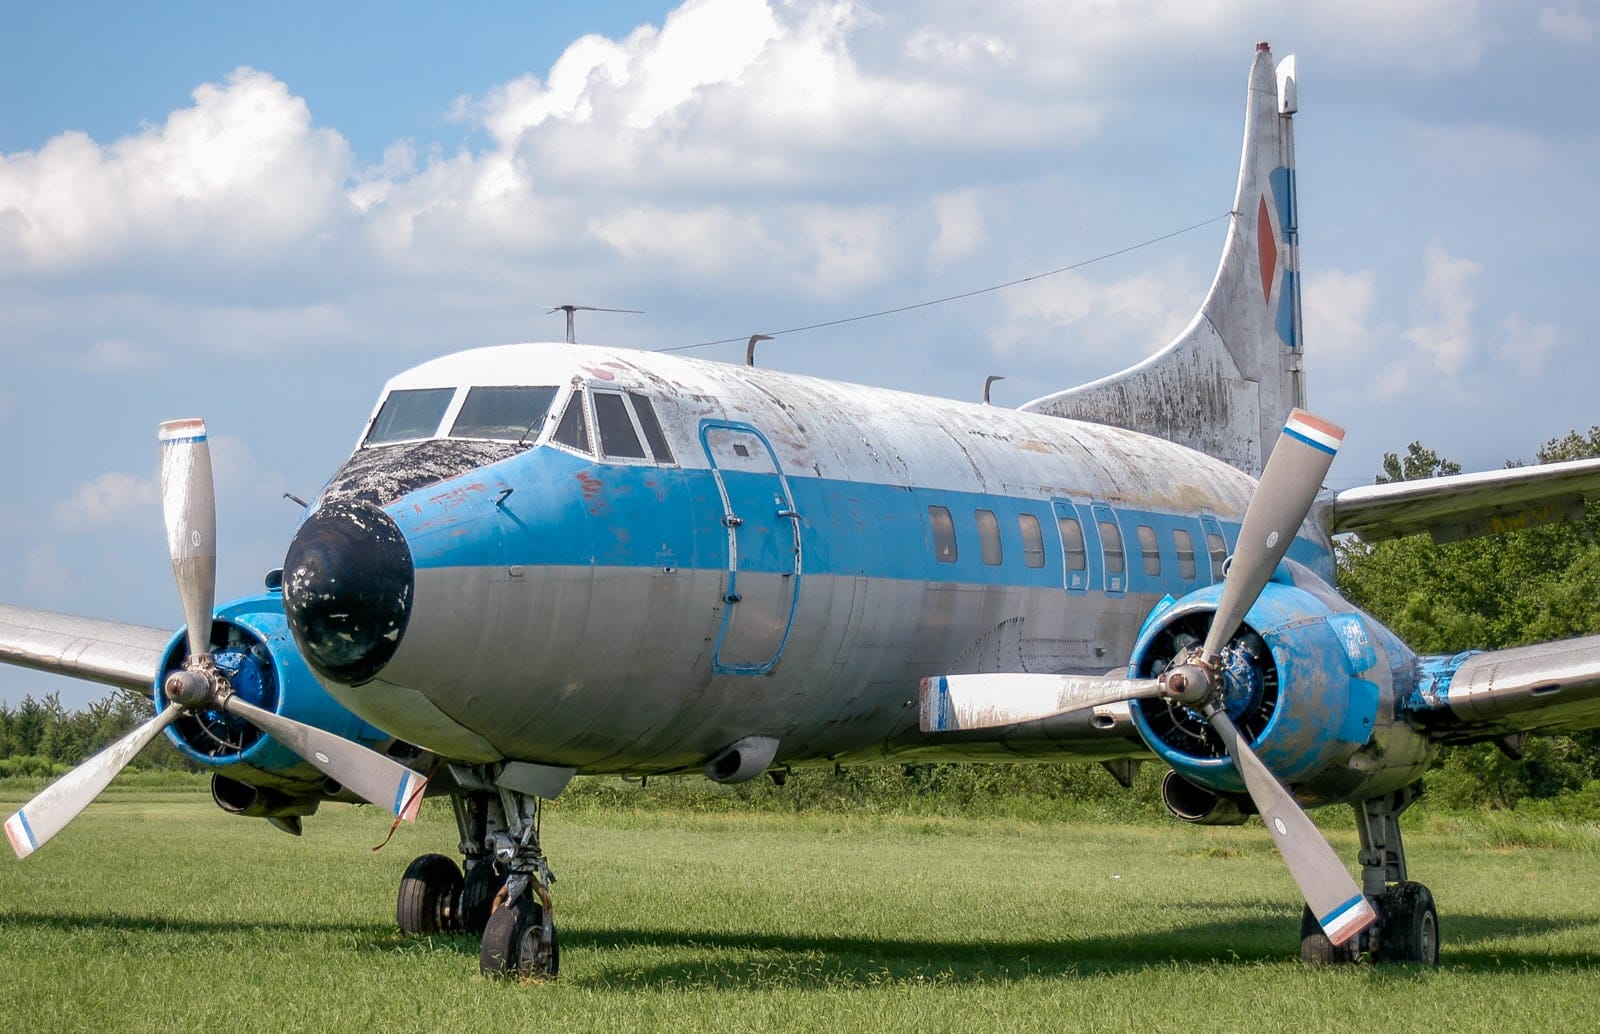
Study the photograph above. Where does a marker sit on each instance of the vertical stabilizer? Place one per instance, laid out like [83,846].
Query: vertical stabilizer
[1227,383]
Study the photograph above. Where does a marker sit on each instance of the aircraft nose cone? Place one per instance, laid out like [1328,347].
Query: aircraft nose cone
[347,585]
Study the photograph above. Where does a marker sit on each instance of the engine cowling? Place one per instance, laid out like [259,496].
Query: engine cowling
[1310,682]
[253,647]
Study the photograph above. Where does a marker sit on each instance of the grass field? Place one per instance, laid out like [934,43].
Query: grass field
[156,911]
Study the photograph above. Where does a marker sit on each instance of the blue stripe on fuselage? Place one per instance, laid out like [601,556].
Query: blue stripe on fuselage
[564,510]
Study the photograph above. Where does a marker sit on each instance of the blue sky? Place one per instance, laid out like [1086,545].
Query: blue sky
[257,215]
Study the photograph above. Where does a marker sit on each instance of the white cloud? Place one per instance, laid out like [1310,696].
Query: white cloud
[961,229]
[1444,308]
[1528,346]
[44,576]
[239,175]
[109,498]
[116,355]
[1107,325]
[1567,23]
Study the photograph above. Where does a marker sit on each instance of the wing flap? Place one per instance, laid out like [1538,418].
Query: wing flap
[1466,505]
[108,652]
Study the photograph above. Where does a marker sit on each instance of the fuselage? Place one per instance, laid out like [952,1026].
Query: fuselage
[624,561]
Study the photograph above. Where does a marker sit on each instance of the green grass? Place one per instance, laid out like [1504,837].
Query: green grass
[156,911]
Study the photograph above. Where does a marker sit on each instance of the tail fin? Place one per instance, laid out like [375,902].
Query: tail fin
[1227,383]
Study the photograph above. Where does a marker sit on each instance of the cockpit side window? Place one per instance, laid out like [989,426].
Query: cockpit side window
[410,413]
[503,413]
[651,427]
[617,436]
[573,431]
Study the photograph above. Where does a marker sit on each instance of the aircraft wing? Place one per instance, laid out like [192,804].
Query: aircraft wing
[1546,687]
[1466,505]
[86,648]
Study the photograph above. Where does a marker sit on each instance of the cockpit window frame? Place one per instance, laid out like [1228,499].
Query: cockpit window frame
[526,434]
[446,413]
[648,442]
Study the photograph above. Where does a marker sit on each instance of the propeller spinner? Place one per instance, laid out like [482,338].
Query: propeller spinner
[188,504]
[1282,500]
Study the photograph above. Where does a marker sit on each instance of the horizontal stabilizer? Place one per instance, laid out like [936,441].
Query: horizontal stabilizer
[1466,505]
[108,652]
[997,699]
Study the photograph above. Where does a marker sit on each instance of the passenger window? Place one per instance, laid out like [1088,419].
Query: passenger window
[1077,556]
[652,427]
[617,437]
[1148,547]
[410,413]
[573,431]
[1185,547]
[1032,539]
[505,414]
[1219,554]
[1111,547]
[944,534]
[989,537]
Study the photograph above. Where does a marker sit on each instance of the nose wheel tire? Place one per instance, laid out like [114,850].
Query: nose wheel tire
[516,943]
[430,896]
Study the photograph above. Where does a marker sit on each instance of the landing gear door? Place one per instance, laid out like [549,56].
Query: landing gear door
[762,585]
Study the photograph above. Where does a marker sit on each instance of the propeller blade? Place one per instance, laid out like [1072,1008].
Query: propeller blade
[988,701]
[188,503]
[1324,882]
[61,801]
[366,773]
[1282,499]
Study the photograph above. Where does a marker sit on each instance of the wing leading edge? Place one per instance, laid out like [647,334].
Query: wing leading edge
[108,652]
[1463,506]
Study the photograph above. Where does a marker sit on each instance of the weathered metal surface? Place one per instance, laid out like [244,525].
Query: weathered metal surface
[1226,383]
[522,652]
[1466,505]
[108,652]
[1550,686]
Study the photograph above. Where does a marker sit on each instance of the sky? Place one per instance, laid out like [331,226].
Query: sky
[259,214]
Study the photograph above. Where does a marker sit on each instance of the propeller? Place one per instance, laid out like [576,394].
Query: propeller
[188,503]
[1282,500]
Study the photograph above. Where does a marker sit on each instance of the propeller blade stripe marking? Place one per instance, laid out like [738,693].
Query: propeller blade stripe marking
[177,432]
[1349,919]
[1314,431]
[21,835]
[408,798]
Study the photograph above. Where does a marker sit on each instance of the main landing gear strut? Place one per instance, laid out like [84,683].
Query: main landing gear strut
[504,894]
[1408,923]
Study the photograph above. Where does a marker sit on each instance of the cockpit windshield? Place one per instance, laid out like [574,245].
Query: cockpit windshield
[408,414]
[505,414]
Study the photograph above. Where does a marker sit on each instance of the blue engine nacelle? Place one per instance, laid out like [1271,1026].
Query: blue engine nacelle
[1311,683]
[252,773]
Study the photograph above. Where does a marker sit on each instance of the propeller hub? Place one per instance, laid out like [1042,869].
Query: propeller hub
[347,589]
[189,688]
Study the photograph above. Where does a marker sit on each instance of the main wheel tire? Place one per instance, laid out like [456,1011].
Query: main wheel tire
[1408,925]
[482,883]
[514,944]
[430,896]
[1317,950]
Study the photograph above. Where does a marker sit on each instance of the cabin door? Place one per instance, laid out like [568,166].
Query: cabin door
[762,586]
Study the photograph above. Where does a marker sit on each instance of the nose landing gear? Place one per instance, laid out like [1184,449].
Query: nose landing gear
[504,894]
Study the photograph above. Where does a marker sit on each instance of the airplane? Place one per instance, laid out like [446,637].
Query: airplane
[549,559]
